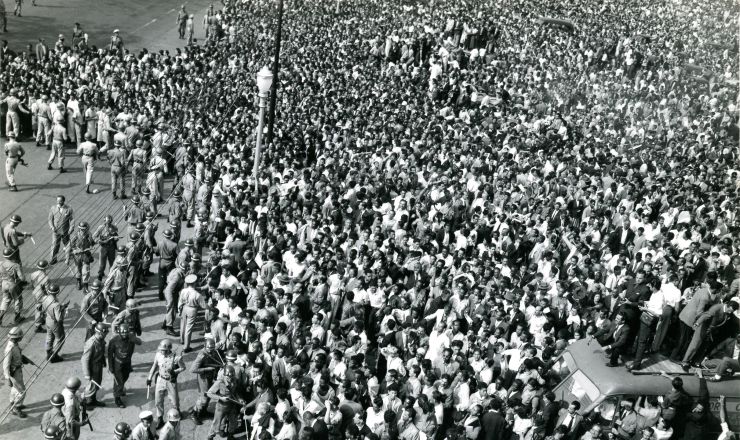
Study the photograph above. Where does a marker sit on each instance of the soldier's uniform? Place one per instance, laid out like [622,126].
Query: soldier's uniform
[54,323]
[144,430]
[150,228]
[115,284]
[58,136]
[55,417]
[93,363]
[120,352]
[89,152]
[13,361]
[189,187]
[106,235]
[181,160]
[94,308]
[79,252]
[175,281]
[205,366]
[117,160]
[189,303]
[166,367]
[13,153]
[134,214]
[225,418]
[13,238]
[39,281]
[167,250]
[137,158]
[182,18]
[175,212]
[72,413]
[12,119]
[11,278]
[43,130]
[128,317]
[134,253]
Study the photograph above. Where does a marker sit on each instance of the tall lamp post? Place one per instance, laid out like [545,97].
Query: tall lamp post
[264,82]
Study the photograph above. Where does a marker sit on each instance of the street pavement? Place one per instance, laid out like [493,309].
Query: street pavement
[38,188]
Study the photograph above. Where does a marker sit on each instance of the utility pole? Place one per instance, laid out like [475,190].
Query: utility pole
[276,72]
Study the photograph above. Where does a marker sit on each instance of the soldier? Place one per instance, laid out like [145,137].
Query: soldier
[120,351]
[150,243]
[176,227]
[164,371]
[122,431]
[175,211]
[144,430]
[72,408]
[55,313]
[147,201]
[129,317]
[13,154]
[11,278]
[53,433]
[157,168]
[134,214]
[43,130]
[58,137]
[79,252]
[117,161]
[12,119]
[189,187]
[93,364]
[205,366]
[13,238]
[171,430]
[13,362]
[40,280]
[137,157]
[116,42]
[175,281]
[54,417]
[89,152]
[134,252]
[200,233]
[228,403]
[190,301]
[182,17]
[61,218]
[181,159]
[106,235]
[94,308]
[167,251]
[115,286]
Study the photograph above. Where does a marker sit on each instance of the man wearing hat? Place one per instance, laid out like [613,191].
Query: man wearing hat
[39,281]
[72,407]
[134,252]
[55,313]
[134,214]
[122,431]
[186,253]
[43,114]
[115,285]
[175,282]
[13,362]
[93,364]
[116,42]
[11,277]
[129,317]
[93,308]
[205,366]
[175,211]
[117,160]
[167,251]
[144,430]
[164,371]
[13,238]
[147,201]
[225,391]
[190,301]
[189,187]
[171,430]
[137,158]
[120,352]
[13,154]
[61,219]
[149,244]
[54,418]
[106,235]
[79,252]
[58,137]
[88,151]
[12,119]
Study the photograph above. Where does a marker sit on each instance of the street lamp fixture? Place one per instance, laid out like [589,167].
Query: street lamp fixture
[264,82]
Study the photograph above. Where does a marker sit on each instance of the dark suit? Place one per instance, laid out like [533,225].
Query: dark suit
[320,431]
[619,342]
[550,417]
[615,240]
[492,426]
[574,425]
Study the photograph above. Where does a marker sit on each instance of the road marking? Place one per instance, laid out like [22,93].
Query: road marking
[153,20]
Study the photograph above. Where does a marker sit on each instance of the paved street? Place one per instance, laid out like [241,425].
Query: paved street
[38,188]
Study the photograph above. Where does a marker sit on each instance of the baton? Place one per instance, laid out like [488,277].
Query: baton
[96,384]
[147,392]
[33,241]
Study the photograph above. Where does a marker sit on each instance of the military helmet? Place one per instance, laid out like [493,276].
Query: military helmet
[15,218]
[7,253]
[121,250]
[133,236]
[52,289]
[42,265]
[122,428]
[173,415]
[96,285]
[57,399]
[168,233]
[83,225]
[165,345]
[73,383]
[51,432]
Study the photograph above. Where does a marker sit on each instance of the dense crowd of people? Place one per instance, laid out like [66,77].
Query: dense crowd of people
[453,194]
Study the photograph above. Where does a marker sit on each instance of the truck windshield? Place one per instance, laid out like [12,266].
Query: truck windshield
[581,388]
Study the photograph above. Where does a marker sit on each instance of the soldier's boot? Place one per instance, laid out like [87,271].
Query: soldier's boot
[87,189]
[13,188]
[120,403]
[85,287]
[196,414]
[93,401]
[53,358]
[79,283]
[62,170]
[40,329]
[18,413]
[160,423]
[18,318]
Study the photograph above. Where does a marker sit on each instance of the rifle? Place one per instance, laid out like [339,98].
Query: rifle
[84,417]
[26,360]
